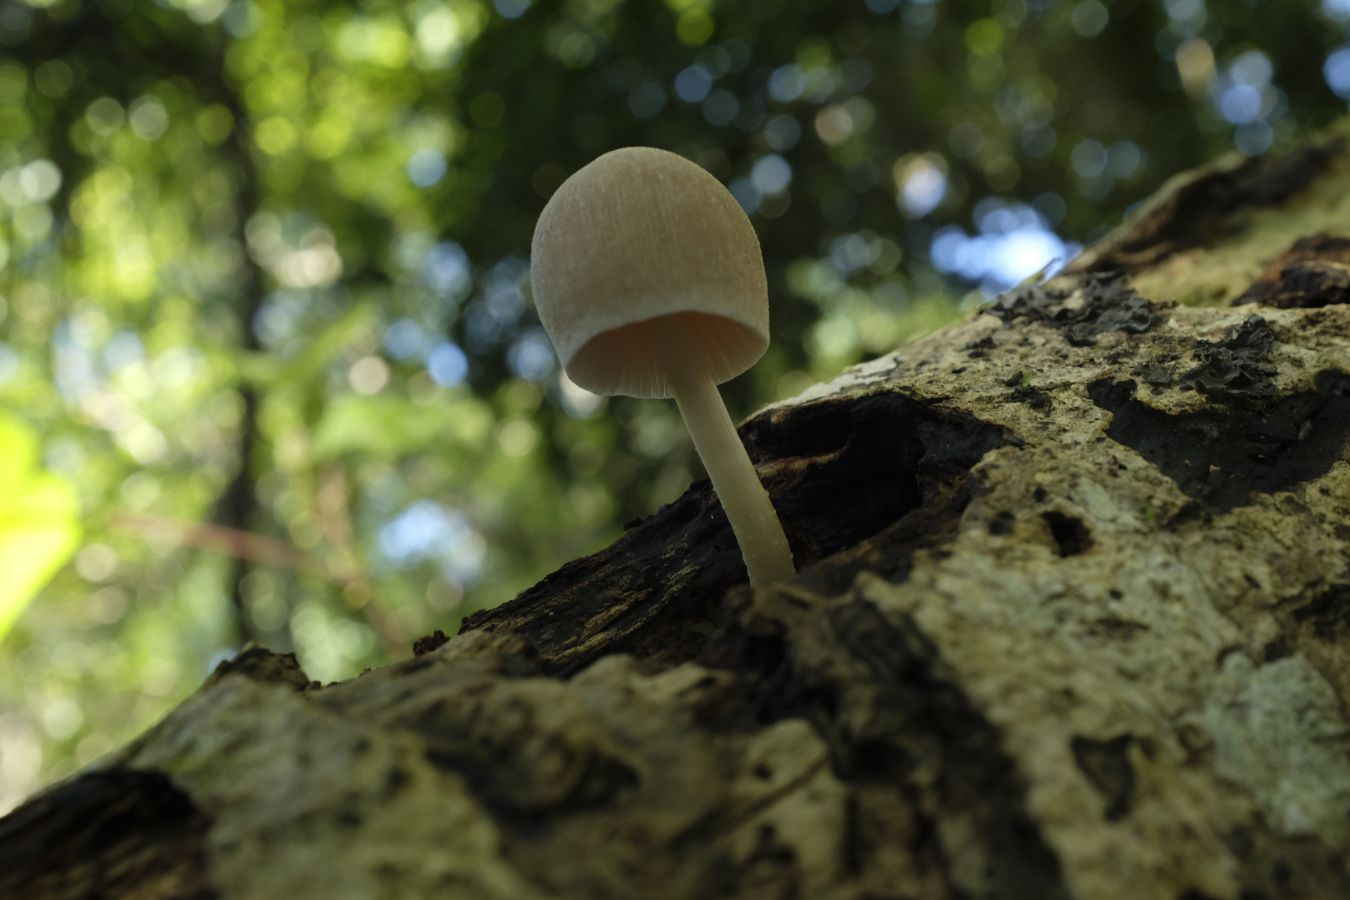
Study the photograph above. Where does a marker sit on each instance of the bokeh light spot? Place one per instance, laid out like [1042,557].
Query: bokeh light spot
[984,37]
[771,174]
[694,27]
[511,9]
[1089,18]
[531,355]
[1089,158]
[214,123]
[105,116]
[787,83]
[447,269]
[921,183]
[1336,70]
[447,364]
[782,132]
[148,118]
[693,83]
[54,78]
[368,375]
[39,180]
[426,167]
[834,124]
[274,135]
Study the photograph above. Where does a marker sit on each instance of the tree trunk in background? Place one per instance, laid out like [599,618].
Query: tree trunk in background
[1073,621]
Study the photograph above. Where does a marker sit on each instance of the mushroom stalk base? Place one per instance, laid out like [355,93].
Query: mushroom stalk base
[743,497]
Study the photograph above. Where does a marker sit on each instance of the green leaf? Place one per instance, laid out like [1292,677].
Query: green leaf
[39,521]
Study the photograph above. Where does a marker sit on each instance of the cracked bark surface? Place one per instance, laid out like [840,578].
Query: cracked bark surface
[1073,620]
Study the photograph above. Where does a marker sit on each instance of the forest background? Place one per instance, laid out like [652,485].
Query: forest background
[269,368]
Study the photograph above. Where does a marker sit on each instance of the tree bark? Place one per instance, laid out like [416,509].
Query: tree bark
[1073,620]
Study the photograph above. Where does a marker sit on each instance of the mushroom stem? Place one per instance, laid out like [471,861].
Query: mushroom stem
[743,497]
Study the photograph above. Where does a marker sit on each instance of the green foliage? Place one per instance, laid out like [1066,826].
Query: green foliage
[264,283]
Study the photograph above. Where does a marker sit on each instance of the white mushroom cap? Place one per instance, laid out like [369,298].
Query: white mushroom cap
[632,239]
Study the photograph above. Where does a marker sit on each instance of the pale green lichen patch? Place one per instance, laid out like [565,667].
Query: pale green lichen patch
[305,803]
[1279,735]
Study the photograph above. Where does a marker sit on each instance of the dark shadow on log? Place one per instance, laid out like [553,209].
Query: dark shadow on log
[1222,455]
[118,833]
[900,730]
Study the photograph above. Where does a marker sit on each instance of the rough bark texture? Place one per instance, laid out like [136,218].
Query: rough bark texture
[1073,620]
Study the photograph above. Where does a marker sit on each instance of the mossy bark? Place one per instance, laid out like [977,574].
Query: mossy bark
[1073,620]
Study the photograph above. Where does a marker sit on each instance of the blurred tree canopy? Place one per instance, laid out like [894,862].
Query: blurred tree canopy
[264,302]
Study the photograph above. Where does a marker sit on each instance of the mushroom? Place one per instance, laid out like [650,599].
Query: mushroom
[649,281]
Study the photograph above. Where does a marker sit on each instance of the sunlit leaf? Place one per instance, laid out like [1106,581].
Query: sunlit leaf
[39,521]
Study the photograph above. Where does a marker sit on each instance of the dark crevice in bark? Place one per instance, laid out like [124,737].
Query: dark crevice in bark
[1106,765]
[1071,534]
[839,474]
[1327,614]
